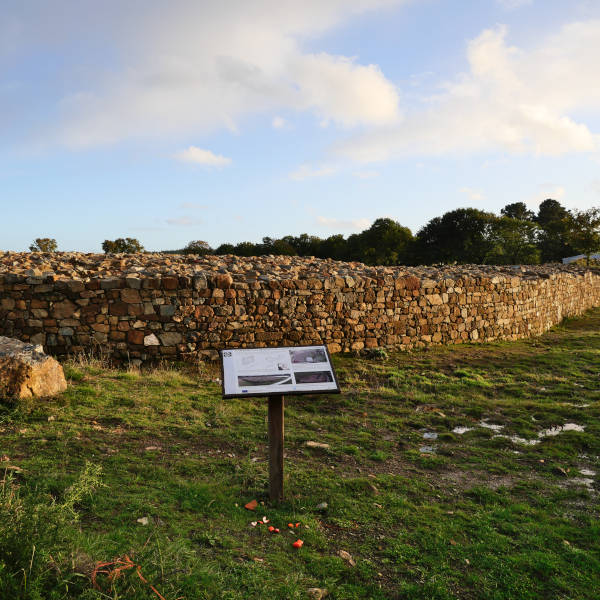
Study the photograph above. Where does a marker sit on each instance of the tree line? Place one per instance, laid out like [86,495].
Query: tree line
[465,235]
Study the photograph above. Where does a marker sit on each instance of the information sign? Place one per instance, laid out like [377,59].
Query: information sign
[277,371]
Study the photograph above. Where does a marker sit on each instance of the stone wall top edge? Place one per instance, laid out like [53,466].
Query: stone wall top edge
[38,268]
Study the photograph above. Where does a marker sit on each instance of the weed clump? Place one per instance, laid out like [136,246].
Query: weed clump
[37,535]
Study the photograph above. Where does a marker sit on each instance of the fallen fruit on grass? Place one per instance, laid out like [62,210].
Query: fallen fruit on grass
[251,505]
[276,530]
[291,525]
[271,528]
[298,544]
[297,524]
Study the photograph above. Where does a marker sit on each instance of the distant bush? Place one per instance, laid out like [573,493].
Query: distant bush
[44,245]
[199,247]
[126,245]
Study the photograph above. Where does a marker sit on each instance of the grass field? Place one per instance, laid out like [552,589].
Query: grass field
[506,509]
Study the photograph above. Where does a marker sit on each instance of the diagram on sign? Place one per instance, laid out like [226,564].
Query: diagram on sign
[264,371]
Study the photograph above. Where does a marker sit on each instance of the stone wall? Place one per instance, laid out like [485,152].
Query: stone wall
[144,307]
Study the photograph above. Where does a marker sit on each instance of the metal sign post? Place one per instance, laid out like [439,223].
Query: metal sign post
[275,372]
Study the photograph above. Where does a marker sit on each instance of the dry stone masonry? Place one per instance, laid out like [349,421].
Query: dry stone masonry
[144,307]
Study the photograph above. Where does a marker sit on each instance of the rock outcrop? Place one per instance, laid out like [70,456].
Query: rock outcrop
[144,307]
[25,371]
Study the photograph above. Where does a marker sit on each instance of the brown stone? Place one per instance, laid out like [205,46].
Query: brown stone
[135,336]
[25,371]
[223,281]
[130,296]
[63,310]
[203,311]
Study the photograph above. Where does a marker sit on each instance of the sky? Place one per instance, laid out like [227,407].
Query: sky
[233,120]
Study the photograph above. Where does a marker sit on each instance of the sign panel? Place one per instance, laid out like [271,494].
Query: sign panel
[277,371]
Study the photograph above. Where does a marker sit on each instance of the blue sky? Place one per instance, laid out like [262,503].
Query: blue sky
[230,121]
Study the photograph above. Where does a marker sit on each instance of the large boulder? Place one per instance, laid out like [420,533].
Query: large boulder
[25,371]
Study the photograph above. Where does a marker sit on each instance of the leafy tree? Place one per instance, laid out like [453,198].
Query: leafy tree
[197,247]
[518,210]
[44,245]
[462,235]
[225,249]
[125,245]
[555,223]
[384,243]
[247,249]
[304,244]
[585,234]
[335,246]
[514,242]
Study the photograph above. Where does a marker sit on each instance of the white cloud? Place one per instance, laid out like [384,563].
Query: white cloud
[514,100]
[343,224]
[543,192]
[306,172]
[279,123]
[472,194]
[197,67]
[513,4]
[183,221]
[199,156]
[344,92]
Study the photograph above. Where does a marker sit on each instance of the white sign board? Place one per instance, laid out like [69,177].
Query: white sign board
[277,371]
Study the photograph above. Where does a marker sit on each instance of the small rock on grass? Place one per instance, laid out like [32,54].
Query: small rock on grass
[143,520]
[320,445]
[317,593]
[322,506]
[347,557]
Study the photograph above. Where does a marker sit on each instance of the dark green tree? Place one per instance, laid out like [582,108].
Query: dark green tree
[225,249]
[462,235]
[44,245]
[304,244]
[199,247]
[585,234]
[124,245]
[513,242]
[385,243]
[555,223]
[518,210]
[335,246]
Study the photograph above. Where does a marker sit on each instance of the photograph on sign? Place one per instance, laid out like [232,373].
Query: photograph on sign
[268,371]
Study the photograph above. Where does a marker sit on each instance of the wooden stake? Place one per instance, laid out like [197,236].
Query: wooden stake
[276,435]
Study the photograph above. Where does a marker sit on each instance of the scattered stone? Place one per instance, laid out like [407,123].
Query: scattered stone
[491,426]
[427,449]
[347,557]
[553,431]
[26,372]
[320,445]
[143,521]
[322,506]
[251,505]
[430,435]
[460,430]
[317,593]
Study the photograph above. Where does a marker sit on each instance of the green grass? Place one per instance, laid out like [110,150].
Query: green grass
[481,517]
